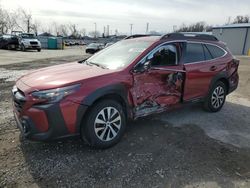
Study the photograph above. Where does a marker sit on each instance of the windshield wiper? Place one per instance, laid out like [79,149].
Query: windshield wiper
[96,64]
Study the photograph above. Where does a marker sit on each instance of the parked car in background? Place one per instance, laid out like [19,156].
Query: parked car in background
[29,41]
[82,43]
[8,42]
[94,47]
[133,78]
[66,43]
[109,44]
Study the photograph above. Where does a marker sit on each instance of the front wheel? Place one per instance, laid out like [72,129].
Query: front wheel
[104,125]
[23,48]
[216,97]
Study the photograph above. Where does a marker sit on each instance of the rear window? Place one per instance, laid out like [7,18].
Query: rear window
[207,53]
[194,53]
[215,51]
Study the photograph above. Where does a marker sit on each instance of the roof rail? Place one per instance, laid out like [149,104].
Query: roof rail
[183,36]
[136,36]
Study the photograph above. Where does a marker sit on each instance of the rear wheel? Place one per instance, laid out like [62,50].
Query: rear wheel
[104,125]
[216,97]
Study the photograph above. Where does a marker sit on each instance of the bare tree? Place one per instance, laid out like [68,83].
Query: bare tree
[73,29]
[242,19]
[83,32]
[93,34]
[3,20]
[24,20]
[197,27]
[35,26]
[46,29]
[11,21]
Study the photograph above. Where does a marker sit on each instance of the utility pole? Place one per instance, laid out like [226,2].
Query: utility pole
[107,30]
[174,28]
[95,30]
[28,25]
[104,31]
[147,27]
[131,29]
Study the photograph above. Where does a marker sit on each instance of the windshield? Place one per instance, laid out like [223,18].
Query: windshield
[120,54]
[28,36]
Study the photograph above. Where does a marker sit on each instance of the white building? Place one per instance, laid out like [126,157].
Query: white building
[236,36]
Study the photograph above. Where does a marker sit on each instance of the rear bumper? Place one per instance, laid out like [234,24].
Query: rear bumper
[233,82]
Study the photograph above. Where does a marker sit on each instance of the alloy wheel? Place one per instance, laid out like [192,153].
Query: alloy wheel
[218,97]
[107,124]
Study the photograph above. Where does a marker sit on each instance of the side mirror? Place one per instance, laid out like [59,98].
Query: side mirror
[142,67]
[147,65]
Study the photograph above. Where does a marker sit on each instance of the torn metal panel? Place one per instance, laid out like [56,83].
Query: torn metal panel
[156,91]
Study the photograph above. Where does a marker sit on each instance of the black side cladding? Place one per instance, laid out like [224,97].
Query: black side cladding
[118,89]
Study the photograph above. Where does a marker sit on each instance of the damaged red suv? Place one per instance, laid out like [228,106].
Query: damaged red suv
[135,77]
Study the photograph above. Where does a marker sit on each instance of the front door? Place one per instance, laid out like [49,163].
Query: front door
[160,86]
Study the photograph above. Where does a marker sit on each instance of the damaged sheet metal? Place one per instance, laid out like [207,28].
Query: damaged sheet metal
[156,91]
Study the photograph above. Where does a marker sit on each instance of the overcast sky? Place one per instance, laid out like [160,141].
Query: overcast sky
[161,14]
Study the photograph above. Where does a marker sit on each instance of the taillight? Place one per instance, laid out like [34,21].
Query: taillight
[235,63]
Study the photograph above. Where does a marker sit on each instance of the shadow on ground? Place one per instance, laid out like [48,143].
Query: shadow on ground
[153,153]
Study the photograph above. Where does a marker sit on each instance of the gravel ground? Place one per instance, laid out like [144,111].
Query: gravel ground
[183,148]
[17,57]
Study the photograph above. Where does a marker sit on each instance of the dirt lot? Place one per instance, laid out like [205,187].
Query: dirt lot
[183,148]
[13,57]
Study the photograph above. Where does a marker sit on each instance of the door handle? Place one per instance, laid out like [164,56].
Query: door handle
[213,68]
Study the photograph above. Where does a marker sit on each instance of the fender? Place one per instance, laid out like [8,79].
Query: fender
[221,75]
[117,89]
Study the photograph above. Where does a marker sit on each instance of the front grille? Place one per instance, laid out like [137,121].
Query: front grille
[33,43]
[19,99]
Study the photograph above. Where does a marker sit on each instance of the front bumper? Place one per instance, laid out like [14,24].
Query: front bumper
[30,46]
[48,122]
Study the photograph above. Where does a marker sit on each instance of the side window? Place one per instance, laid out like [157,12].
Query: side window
[215,51]
[164,56]
[194,53]
[208,55]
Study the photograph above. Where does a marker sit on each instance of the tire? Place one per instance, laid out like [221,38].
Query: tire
[9,47]
[39,50]
[23,48]
[98,130]
[216,97]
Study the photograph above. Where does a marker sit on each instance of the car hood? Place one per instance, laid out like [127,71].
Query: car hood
[61,75]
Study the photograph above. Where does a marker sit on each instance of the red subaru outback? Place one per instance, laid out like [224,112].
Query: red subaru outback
[135,77]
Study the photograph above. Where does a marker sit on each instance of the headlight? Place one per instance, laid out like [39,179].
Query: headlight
[55,95]
[25,42]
